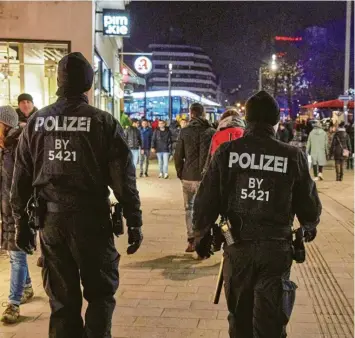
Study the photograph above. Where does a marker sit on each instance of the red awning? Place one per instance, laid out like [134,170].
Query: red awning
[329,104]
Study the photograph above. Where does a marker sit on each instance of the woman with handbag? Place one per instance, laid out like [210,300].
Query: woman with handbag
[340,149]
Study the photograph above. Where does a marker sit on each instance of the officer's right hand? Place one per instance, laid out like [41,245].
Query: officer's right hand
[25,239]
[309,235]
[135,239]
[204,247]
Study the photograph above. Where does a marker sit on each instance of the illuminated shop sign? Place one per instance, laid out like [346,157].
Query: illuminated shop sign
[288,38]
[143,65]
[116,22]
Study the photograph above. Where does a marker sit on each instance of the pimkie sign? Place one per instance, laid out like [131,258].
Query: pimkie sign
[116,23]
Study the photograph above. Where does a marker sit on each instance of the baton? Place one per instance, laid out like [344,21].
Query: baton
[219,285]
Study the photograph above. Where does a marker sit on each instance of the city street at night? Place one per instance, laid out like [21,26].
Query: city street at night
[165,293]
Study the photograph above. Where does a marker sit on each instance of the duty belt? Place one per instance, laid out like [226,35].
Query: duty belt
[58,208]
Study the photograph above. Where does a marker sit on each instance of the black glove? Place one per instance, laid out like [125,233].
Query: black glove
[25,237]
[310,235]
[204,247]
[135,238]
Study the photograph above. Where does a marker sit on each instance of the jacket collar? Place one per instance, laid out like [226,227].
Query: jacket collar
[199,122]
[75,98]
[231,122]
[260,130]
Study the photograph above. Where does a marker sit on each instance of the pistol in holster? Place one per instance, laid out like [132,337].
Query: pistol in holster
[117,219]
[36,211]
[299,250]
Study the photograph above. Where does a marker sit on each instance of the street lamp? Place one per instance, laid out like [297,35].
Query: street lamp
[273,63]
[273,68]
[169,85]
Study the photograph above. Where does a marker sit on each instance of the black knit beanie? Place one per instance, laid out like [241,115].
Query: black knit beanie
[75,75]
[263,108]
[25,97]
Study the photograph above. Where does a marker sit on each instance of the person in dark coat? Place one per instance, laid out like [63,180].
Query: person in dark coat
[134,140]
[283,134]
[350,131]
[259,185]
[162,146]
[146,135]
[341,141]
[25,108]
[190,157]
[69,155]
[20,281]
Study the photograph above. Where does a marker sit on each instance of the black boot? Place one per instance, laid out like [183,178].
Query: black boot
[191,245]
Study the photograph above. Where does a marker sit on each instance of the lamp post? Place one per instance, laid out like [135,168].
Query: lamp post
[274,69]
[169,85]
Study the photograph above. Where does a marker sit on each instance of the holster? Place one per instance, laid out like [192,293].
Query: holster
[299,250]
[36,210]
[117,219]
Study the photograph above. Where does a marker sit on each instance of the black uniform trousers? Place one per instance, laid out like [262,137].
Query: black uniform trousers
[259,294]
[79,246]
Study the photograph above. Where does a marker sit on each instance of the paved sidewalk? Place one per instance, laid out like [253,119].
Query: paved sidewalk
[165,293]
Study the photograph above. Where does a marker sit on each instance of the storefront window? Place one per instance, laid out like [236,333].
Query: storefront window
[103,85]
[31,68]
[97,80]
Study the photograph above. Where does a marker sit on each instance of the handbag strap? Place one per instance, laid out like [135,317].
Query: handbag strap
[342,148]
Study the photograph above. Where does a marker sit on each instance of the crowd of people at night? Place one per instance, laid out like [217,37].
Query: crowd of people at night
[321,141]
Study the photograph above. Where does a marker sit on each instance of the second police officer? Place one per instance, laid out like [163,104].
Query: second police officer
[259,184]
[68,155]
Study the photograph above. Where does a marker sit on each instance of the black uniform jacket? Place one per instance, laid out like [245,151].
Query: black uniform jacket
[71,152]
[260,184]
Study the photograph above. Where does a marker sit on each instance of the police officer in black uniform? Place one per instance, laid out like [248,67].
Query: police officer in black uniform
[68,156]
[259,184]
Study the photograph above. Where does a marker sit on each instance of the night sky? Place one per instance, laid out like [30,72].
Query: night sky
[236,35]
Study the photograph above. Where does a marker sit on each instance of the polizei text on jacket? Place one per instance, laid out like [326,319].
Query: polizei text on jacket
[63,123]
[258,162]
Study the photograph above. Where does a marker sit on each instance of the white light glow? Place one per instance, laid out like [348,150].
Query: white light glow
[170,66]
[273,66]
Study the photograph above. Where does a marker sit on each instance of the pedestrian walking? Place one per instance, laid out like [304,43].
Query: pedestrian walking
[175,133]
[146,136]
[341,149]
[25,108]
[68,155]
[317,147]
[190,157]
[134,140]
[283,134]
[350,161]
[21,290]
[257,184]
[231,127]
[162,146]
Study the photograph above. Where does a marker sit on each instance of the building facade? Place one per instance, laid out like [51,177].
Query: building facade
[191,69]
[35,35]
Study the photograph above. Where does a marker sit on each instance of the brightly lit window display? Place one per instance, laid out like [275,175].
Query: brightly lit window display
[29,67]
[157,104]
[103,85]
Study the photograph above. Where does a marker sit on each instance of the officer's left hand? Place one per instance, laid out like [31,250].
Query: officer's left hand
[310,235]
[25,239]
[135,239]
[204,247]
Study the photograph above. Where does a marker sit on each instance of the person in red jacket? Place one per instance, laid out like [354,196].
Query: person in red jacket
[230,127]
